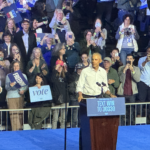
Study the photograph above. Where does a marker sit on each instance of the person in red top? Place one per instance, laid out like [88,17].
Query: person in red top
[129,76]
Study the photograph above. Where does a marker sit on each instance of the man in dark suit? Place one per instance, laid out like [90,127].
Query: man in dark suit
[26,41]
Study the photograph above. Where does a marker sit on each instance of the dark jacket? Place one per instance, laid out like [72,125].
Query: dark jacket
[84,48]
[116,65]
[112,74]
[5,48]
[31,76]
[53,63]
[32,44]
[59,88]
[72,54]
[73,96]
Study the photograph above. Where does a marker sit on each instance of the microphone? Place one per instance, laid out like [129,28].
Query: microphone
[103,84]
[98,84]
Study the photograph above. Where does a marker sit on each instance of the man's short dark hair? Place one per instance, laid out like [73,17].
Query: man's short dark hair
[128,15]
[130,55]
[115,49]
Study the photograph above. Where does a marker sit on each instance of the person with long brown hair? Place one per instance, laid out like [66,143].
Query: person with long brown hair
[59,92]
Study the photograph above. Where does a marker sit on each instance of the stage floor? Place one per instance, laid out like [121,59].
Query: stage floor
[129,138]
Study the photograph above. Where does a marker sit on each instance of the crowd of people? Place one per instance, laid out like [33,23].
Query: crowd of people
[66,65]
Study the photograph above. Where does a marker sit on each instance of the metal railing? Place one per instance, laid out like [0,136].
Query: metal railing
[47,122]
[136,113]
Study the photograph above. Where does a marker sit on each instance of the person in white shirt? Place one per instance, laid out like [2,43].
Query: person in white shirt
[144,84]
[90,76]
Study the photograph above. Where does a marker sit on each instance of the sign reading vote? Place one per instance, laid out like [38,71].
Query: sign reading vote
[42,94]
[106,106]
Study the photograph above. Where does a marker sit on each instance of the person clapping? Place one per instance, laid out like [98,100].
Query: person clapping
[36,65]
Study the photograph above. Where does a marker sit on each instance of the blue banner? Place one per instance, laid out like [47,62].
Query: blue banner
[18,77]
[12,12]
[106,106]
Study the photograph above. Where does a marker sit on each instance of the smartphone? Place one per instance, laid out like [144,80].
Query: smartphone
[116,54]
[129,62]
[70,36]
[67,3]
[92,38]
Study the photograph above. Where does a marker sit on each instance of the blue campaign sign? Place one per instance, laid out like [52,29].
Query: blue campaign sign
[106,106]
[42,94]
[18,77]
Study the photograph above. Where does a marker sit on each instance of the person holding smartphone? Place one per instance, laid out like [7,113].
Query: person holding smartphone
[88,44]
[144,84]
[116,62]
[59,24]
[72,51]
[127,37]
[100,36]
[129,77]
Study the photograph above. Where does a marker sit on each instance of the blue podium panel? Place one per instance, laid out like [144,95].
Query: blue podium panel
[106,106]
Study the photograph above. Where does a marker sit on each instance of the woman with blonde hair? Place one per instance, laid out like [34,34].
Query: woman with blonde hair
[11,27]
[36,65]
[59,24]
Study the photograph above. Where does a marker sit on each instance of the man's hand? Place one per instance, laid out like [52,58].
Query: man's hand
[131,68]
[126,67]
[111,81]
[21,92]
[12,84]
[80,97]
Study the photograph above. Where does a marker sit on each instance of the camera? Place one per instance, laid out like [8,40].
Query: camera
[127,31]
[67,3]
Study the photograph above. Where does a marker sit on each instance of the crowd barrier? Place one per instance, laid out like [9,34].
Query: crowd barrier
[132,116]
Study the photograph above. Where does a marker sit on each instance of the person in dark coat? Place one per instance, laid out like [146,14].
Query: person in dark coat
[59,91]
[72,51]
[26,41]
[57,54]
[88,45]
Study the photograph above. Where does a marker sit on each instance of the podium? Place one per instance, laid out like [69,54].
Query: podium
[99,122]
